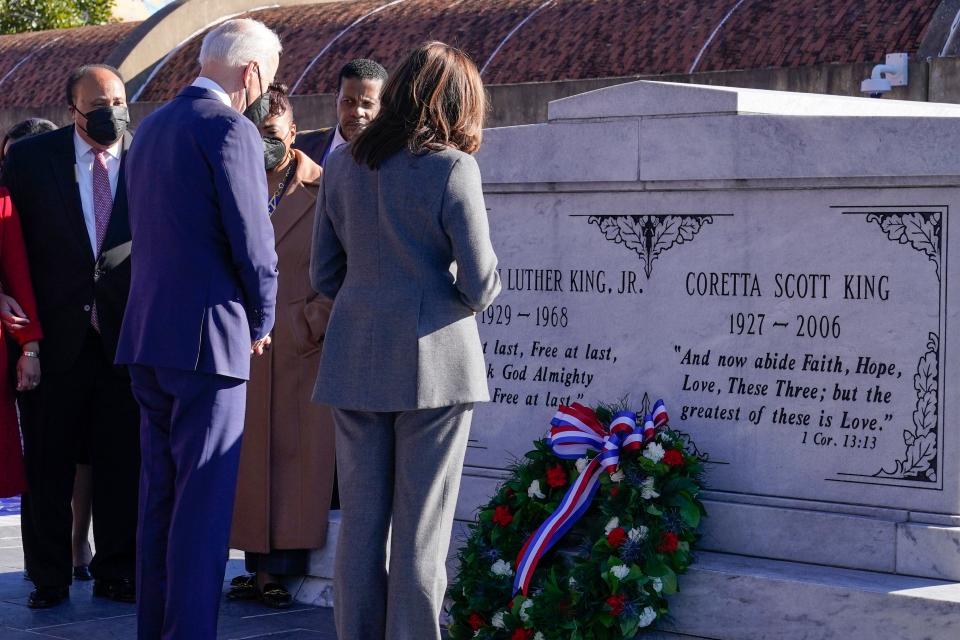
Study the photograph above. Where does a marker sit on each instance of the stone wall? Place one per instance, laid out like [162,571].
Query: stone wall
[934,80]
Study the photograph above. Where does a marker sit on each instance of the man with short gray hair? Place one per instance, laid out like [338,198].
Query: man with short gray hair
[202,294]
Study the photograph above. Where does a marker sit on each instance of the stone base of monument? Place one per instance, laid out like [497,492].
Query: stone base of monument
[727,597]
[855,574]
[316,588]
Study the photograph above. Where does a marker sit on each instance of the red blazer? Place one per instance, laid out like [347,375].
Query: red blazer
[15,280]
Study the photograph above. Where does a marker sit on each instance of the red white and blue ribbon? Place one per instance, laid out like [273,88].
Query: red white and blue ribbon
[575,431]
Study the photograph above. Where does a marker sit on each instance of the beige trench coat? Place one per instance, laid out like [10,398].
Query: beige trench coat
[287,458]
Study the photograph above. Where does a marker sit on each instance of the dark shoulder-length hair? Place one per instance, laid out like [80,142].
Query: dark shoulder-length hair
[434,100]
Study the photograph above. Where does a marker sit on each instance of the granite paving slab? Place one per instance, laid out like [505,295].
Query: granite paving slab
[85,617]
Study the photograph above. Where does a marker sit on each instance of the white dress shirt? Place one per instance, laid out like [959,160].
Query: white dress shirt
[338,141]
[85,157]
[210,85]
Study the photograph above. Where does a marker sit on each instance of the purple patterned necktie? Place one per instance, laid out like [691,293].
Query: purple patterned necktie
[102,206]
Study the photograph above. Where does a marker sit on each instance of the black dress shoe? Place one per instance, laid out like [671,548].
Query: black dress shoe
[120,590]
[82,573]
[276,596]
[46,597]
[243,588]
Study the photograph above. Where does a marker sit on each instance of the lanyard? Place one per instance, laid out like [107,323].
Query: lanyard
[281,189]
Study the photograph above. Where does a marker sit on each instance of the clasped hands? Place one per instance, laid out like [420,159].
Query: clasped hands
[15,319]
[261,345]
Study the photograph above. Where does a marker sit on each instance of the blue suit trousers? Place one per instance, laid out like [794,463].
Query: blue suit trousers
[191,426]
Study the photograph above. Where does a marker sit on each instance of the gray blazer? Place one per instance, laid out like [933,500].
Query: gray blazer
[405,253]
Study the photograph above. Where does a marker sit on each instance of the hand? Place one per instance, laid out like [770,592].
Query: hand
[28,369]
[12,314]
[260,346]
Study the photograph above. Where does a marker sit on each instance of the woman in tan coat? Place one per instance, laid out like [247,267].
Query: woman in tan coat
[286,476]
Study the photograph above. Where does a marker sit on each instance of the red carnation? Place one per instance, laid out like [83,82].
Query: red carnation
[614,490]
[476,622]
[509,493]
[556,476]
[617,537]
[522,634]
[668,542]
[502,515]
[617,603]
[673,458]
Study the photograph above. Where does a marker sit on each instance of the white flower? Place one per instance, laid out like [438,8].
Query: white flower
[621,571]
[501,568]
[539,636]
[657,585]
[572,583]
[524,616]
[647,491]
[497,620]
[534,490]
[581,464]
[613,524]
[647,616]
[638,533]
[618,476]
[654,452]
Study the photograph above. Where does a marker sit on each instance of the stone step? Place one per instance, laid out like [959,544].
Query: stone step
[731,597]
[727,597]
[316,588]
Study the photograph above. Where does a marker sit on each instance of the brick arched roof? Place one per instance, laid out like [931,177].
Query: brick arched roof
[516,40]
[573,39]
[34,66]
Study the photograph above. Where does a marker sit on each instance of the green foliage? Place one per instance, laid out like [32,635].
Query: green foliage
[587,587]
[17,16]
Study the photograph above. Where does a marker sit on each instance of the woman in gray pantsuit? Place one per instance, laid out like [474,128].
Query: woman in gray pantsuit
[401,244]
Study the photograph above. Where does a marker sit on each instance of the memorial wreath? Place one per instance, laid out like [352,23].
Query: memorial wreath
[616,499]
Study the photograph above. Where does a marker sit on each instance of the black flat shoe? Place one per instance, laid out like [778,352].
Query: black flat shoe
[82,573]
[243,580]
[46,597]
[243,588]
[276,596]
[120,590]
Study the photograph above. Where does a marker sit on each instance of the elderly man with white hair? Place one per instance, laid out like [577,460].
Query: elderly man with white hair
[202,295]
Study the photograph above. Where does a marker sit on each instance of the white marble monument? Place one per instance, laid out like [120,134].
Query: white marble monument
[780,268]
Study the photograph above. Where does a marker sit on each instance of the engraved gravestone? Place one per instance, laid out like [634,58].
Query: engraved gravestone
[778,267]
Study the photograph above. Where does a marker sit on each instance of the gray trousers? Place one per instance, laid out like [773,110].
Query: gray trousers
[400,469]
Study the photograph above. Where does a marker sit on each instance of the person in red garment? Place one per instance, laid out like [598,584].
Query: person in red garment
[18,310]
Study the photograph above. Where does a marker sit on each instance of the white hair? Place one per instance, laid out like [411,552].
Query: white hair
[236,43]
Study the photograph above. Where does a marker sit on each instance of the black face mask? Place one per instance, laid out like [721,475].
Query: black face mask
[274,151]
[106,125]
[258,110]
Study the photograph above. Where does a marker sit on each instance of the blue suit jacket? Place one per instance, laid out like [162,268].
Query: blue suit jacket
[204,266]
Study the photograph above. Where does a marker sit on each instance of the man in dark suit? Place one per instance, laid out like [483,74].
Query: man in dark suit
[203,291]
[68,186]
[358,102]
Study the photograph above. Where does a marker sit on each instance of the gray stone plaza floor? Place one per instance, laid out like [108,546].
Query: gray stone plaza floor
[87,618]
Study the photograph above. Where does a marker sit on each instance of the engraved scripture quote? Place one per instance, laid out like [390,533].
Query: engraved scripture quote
[801,345]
